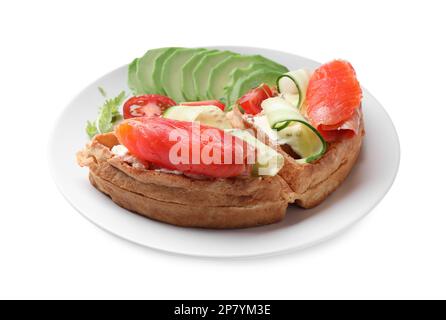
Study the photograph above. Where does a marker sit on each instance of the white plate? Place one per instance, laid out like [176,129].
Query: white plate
[364,188]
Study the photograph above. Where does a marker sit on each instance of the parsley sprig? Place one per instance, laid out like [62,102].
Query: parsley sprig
[108,115]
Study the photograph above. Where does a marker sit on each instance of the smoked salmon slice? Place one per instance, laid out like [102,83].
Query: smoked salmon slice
[334,97]
[184,146]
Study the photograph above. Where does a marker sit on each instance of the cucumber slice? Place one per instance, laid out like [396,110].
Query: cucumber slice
[294,130]
[262,123]
[293,86]
[280,112]
[304,140]
[268,161]
[208,115]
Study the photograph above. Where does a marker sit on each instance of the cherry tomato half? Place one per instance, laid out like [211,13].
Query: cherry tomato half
[251,101]
[147,105]
[216,103]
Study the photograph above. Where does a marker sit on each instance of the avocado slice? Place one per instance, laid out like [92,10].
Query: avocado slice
[220,75]
[203,70]
[132,79]
[144,70]
[187,82]
[238,73]
[171,72]
[158,69]
[253,80]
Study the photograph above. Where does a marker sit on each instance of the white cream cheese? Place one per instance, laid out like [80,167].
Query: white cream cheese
[169,171]
[119,150]
[123,153]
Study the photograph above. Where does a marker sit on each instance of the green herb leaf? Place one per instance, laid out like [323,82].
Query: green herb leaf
[91,129]
[108,116]
[102,92]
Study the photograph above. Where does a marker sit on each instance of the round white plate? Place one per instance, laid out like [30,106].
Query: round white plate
[364,188]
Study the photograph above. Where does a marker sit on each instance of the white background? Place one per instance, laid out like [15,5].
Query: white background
[50,50]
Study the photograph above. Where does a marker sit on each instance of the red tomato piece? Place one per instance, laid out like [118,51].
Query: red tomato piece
[216,103]
[146,106]
[185,146]
[251,101]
